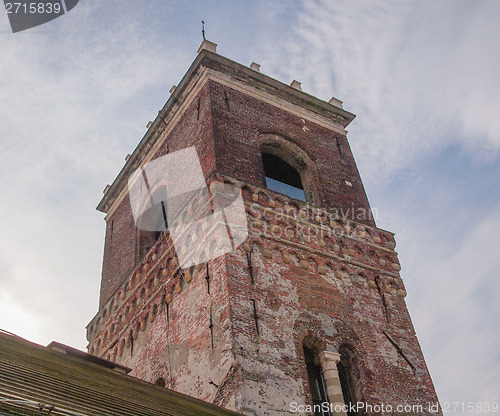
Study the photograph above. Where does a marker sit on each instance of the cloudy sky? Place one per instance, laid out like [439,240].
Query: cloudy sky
[422,78]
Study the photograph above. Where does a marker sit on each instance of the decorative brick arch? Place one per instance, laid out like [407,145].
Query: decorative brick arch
[320,332]
[330,333]
[309,330]
[346,339]
[297,158]
[345,336]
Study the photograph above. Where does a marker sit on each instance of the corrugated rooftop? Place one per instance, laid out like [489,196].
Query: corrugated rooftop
[60,380]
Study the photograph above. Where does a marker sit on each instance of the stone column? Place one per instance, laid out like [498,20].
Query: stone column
[328,362]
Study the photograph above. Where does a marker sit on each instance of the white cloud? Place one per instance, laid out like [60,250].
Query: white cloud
[17,321]
[453,293]
[72,107]
[412,72]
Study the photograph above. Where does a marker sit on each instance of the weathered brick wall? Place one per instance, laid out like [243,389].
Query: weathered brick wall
[170,324]
[243,124]
[122,251]
[340,288]
[238,126]
[337,282]
[310,274]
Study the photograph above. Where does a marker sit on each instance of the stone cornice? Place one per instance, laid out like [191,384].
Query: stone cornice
[210,66]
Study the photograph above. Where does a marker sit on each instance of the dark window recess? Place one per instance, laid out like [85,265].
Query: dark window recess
[339,148]
[344,367]
[316,383]
[111,231]
[156,215]
[282,178]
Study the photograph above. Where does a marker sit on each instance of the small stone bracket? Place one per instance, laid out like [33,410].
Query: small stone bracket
[254,66]
[296,84]
[207,45]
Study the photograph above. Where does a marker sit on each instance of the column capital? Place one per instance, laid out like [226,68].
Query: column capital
[328,359]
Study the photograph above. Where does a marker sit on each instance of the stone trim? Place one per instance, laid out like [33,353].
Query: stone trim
[328,361]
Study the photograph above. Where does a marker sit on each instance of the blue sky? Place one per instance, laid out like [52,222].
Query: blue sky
[422,78]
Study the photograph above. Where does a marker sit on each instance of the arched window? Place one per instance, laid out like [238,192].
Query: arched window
[316,382]
[282,177]
[345,368]
[152,221]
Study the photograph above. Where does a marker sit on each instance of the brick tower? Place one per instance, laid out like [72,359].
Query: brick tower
[309,309]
